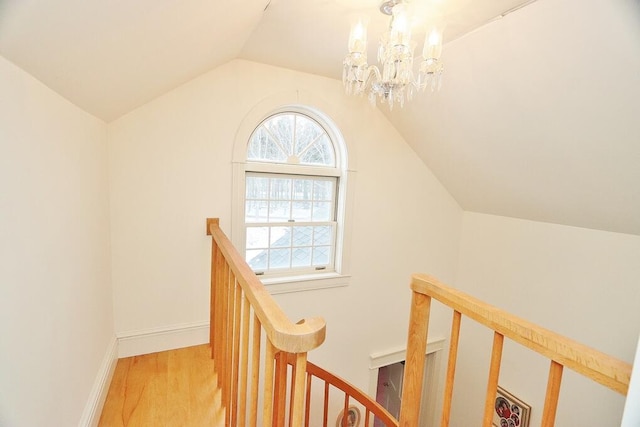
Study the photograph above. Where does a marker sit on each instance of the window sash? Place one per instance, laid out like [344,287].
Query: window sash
[285,207]
[305,247]
[274,197]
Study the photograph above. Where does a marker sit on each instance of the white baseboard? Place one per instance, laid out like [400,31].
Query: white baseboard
[134,343]
[93,408]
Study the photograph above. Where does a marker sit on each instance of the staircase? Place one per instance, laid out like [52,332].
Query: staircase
[266,380]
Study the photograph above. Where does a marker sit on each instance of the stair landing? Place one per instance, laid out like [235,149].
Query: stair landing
[170,388]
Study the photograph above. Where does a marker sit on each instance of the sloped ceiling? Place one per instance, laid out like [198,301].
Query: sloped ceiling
[537,117]
[109,57]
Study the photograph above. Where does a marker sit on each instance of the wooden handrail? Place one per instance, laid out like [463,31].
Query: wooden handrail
[607,370]
[561,351]
[285,335]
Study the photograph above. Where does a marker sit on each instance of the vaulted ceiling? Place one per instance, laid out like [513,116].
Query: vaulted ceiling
[537,117]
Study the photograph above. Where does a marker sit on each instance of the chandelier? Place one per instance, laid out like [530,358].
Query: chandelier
[395,80]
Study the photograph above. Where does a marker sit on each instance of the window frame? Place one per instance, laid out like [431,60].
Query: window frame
[293,223]
[294,281]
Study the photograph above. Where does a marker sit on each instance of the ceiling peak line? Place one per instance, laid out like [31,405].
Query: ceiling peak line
[475,28]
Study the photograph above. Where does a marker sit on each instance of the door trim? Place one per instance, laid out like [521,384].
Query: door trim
[429,388]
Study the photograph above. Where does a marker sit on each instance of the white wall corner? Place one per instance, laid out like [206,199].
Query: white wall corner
[631,415]
[135,343]
[95,402]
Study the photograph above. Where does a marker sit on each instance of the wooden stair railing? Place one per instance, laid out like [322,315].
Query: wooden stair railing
[243,317]
[242,312]
[348,393]
[561,351]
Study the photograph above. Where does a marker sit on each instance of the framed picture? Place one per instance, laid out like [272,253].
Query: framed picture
[353,418]
[510,411]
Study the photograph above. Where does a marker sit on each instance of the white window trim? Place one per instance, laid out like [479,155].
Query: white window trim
[304,282]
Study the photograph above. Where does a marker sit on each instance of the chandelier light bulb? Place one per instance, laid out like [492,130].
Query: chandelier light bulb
[432,45]
[358,37]
[400,26]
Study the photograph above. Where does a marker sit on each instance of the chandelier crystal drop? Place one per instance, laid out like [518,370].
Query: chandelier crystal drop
[395,79]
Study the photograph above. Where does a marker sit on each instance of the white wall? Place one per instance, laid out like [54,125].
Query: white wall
[56,319]
[170,168]
[581,283]
[631,417]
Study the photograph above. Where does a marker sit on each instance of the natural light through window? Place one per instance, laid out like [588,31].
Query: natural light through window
[293,139]
[290,203]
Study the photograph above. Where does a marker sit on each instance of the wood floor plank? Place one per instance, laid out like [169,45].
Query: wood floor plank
[172,388]
[178,387]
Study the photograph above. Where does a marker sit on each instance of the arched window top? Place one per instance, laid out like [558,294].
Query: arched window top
[292,138]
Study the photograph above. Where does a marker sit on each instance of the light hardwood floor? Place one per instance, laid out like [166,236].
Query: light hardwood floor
[170,388]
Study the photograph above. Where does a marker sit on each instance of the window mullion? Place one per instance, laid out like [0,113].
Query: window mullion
[276,141]
[269,201]
[294,136]
[311,144]
[290,169]
[290,200]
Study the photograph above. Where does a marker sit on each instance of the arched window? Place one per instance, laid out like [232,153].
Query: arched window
[293,197]
[291,138]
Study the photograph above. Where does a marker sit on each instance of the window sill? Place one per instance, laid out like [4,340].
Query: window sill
[307,282]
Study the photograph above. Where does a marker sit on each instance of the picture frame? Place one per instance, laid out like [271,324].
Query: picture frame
[510,411]
[353,417]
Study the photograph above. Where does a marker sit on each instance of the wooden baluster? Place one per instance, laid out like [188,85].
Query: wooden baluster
[221,308]
[414,366]
[244,364]
[451,368]
[267,410]
[212,295]
[297,390]
[307,405]
[292,387]
[345,411]
[255,370]
[219,315]
[325,418]
[280,387]
[494,374]
[215,255]
[237,310]
[553,393]
[222,339]
[228,340]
